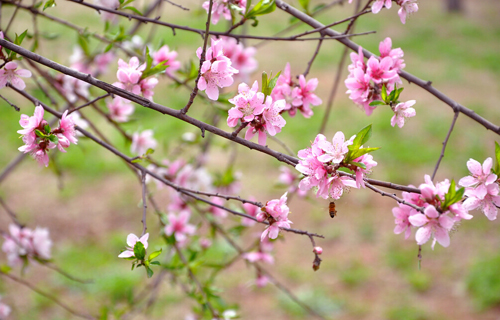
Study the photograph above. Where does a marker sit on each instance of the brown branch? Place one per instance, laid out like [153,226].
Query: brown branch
[393,196]
[10,103]
[426,85]
[445,142]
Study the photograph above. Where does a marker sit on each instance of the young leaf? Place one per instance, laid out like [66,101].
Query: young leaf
[361,137]
[358,164]
[154,255]
[157,263]
[53,138]
[377,103]
[133,9]
[139,251]
[273,81]
[47,128]
[497,156]
[19,38]
[383,94]
[304,4]
[149,271]
[160,67]
[49,4]
[358,153]
[39,133]
[84,44]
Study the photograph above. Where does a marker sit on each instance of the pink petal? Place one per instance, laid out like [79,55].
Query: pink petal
[474,167]
[442,237]
[423,235]
[126,254]
[132,239]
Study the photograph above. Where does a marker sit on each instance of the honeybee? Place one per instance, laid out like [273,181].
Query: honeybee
[332,210]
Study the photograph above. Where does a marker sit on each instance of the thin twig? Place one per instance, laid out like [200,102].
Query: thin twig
[445,142]
[11,213]
[144,203]
[11,104]
[89,103]
[393,196]
[177,5]
[315,54]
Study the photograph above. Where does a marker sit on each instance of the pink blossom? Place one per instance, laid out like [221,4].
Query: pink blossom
[479,175]
[432,223]
[11,74]
[407,7]
[261,281]
[178,225]
[310,166]
[271,121]
[485,197]
[284,84]
[241,58]
[385,48]
[277,215]
[164,54]
[221,7]
[143,141]
[147,86]
[318,250]
[205,243]
[248,104]
[110,4]
[67,126]
[129,74]
[72,88]
[258,256]
[335,186]
[29,124]
[367,160]
[132,239]
[402,111]
[216,211]
[288,178]
[4,309]
[303,96]
[381,71]
[402,213]
[120,109]
[216,70]
[335,151]
[251,210]
[23,243]
[103,60]
[379,4]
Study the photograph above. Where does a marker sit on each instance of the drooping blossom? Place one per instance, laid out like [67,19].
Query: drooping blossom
[367,160]
[318,250]
[216,71]
[143,141]
[11,74]
[403,111]
[407,7]
[251,210]
[23,243]
[401,215]
[129,74]
[432,223]
[120,109]
[303,96]
[277,215]
[67,126]
[179,226]
[222,7]
[241,58]
[165,54]
[147,86]
[132,239]
[379,4]
[248,104]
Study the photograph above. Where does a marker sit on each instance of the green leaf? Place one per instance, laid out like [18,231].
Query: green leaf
[133,9]
[377,103]
[358,164]
[261,8]
[157,263]
[304,4]
[47,128]
[83,42]
[19,38]
[53,138]
[452,196]
[398,92]
[362,137]
[264,82]
[39,133]
[160,67]
[139,251]
[273,81]
[5,268]
[358,153]
[383,94]
[497,156]
[149,271]
[154,255]
[49,4]
[138,160]
[149,151]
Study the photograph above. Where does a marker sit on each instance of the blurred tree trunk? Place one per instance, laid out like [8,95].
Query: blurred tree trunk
[454,5]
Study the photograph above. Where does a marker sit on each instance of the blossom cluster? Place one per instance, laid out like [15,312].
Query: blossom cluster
[223,8]
[260,112]
[216,71]
[242,58]
[39,138]
[365,80]
[23,243]
[130,78]
[320,164]
[407,7]
[299,96]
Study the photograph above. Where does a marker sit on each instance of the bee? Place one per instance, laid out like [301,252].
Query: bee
[332,210]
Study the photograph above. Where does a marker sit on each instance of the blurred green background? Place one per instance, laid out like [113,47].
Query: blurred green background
[91,201]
